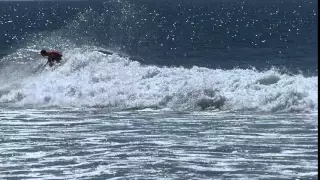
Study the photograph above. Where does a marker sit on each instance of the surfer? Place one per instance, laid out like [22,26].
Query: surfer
[53,56]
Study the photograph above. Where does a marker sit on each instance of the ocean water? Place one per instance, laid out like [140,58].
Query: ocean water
[193,90]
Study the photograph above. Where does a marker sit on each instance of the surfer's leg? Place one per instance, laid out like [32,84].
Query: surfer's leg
[51,63]
[58,59]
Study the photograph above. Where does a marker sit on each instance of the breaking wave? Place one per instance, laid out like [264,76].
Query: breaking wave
[89,78]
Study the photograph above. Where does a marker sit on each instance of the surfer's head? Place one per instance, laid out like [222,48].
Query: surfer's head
[43,52]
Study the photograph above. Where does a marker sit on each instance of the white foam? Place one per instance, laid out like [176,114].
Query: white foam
[90,78]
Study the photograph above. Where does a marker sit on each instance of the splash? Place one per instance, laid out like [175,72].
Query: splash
[90,78]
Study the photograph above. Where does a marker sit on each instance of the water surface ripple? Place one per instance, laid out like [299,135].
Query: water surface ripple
[95,144]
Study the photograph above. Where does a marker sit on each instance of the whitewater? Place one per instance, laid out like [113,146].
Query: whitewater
[204,90]
[101,116]
[90,78]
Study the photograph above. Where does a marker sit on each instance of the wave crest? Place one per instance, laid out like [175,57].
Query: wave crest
[90,78]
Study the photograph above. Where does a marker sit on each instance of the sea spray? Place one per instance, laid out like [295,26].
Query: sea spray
[90,78]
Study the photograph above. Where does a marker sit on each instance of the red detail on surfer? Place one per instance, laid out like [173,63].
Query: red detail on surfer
[53,56]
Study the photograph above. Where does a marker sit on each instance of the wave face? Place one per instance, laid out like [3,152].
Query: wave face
[232,56]
[92,79]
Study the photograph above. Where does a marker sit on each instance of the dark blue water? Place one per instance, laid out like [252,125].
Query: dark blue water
[214,34]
